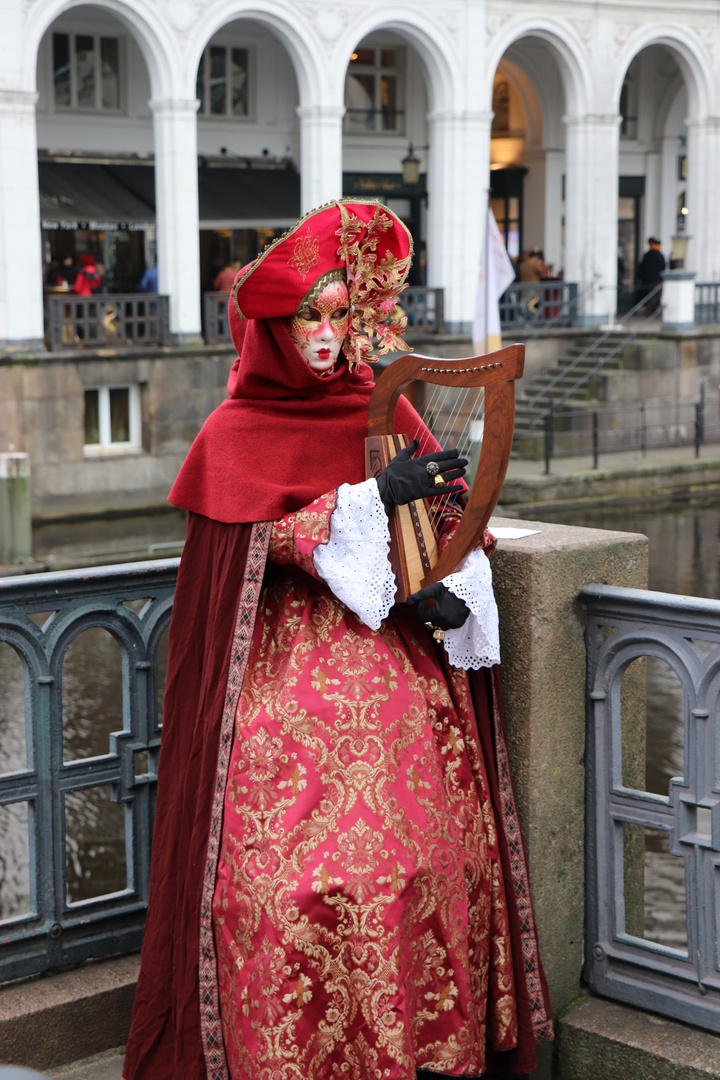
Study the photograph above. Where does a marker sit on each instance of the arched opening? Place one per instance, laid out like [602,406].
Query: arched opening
[386,106]
[527,153]
[653,170]
[248,136]
[95,151]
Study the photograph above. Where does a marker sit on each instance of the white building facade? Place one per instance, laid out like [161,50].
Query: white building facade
[590,126]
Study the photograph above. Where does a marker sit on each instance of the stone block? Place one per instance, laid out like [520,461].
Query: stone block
[537,581]
[59,1018]
[603,1039]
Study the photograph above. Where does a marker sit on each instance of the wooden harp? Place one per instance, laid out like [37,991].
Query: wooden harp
[414,551]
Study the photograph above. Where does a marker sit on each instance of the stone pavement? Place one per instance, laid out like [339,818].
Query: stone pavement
[107,1066]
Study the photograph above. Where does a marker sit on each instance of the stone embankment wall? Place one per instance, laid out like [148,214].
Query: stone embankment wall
[42,414]
[42,407]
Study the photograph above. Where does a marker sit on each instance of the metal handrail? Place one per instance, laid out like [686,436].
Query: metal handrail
[584,355]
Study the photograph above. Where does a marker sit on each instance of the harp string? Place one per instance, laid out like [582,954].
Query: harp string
[448,414]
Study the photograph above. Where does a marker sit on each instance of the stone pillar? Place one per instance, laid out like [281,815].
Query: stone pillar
[177,214]
[15,523]
[591,213]
[537,581]
[703,220]
[678,299]
[320,154]
[458,178]
[21,285]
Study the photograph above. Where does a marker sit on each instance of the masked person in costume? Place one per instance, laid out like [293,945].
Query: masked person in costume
[338,883]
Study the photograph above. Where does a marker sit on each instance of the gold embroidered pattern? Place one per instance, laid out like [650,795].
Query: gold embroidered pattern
[373,286]
[306,254]
[359,913]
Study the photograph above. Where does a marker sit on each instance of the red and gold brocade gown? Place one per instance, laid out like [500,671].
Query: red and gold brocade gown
[359,910]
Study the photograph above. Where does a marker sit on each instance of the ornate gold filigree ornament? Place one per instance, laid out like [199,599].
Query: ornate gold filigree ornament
[376,327]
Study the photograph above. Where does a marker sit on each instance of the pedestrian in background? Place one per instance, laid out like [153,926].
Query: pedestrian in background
[650,273]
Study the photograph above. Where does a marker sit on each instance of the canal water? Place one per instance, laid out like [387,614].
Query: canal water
[684,558]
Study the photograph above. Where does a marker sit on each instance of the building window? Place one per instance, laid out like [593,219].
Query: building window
[223,82]
[628,109]
[501,109]
[374,92]
[86,72]
[112,420]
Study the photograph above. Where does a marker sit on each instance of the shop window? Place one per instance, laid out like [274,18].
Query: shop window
[112,420]
[223,82]
[86,72]
[374,92]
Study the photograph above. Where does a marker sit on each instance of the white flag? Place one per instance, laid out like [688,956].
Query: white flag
[496,273]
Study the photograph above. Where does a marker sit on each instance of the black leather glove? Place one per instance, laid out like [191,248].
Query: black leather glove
[406,478]
[449,611]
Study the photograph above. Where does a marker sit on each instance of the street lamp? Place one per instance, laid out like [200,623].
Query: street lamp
[410,167]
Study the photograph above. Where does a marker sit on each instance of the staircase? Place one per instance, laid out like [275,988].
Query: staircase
[571,381]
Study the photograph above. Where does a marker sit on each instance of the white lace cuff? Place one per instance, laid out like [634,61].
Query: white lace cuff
[476,644]
[354,562]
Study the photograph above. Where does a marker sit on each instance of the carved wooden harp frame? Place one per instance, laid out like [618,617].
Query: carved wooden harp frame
[497,373]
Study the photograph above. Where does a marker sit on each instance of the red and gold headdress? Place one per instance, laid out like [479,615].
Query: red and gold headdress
[363,238]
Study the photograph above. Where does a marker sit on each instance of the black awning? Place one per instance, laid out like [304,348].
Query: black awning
[92,196]
[97,196]
[238,198]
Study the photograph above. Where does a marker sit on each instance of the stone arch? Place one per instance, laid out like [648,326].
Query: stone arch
[691,56]
[294,34]
[150,34]
[427,37]
[567,49]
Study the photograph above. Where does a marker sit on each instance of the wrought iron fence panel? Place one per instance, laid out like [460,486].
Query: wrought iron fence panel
[537,303]
[216,327]
[42,925]
[707,302]
[676,974]
[106,319]
[424,309]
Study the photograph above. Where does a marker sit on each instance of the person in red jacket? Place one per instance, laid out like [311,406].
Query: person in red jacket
[88,280]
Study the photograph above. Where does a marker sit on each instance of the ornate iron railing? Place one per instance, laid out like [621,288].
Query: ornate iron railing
[215,318]
[68,804]
[423,307]
[73,322]
[539,303]
[707,302]
[653,848]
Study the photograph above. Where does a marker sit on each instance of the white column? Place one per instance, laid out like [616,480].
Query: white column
[320,154]
[21,286]
[703,219]
[591,213]
[458,178]
[177,214]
